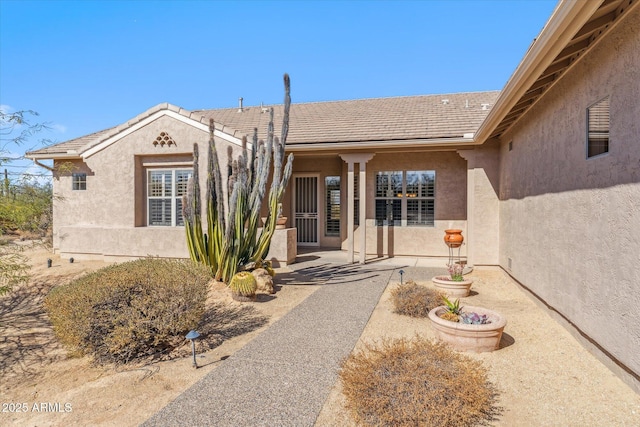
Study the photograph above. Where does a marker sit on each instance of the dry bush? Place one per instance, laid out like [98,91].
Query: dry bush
[414,300]
[416,382]
[130,310]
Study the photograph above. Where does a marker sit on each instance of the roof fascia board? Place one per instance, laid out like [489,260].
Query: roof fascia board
[86,153]
[566,20]
[372,145]
[53,156]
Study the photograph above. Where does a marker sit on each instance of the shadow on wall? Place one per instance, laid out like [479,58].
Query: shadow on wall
[380,241]
[64,168]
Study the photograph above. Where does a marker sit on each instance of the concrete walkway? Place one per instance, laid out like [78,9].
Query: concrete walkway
[284,375]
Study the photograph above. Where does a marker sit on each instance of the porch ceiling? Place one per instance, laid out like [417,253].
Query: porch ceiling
[609,12]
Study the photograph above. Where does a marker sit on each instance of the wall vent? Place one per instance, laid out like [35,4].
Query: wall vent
[163,139]
[509,263]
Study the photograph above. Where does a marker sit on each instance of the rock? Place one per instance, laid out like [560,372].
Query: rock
[264,280]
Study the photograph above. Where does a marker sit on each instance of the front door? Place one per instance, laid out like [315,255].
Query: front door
[305,209]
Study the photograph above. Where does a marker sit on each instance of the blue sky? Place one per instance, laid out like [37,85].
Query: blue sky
[89,65]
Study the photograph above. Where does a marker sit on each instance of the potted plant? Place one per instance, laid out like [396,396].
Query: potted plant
[468,328]
[455,284]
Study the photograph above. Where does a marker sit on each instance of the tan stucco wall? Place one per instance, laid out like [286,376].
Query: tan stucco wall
[570,226]
[450,204]
[483,205]
[109,217]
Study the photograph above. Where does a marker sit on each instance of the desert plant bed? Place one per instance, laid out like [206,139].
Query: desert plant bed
[411,382]
[411,299]
[131,310]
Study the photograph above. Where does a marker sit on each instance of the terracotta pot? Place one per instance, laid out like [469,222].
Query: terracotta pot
[463,337]
[281,222]
[453,238]
[453,288]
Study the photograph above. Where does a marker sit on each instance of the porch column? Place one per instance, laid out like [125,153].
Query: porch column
[363,208]
[350,209]
[362,160]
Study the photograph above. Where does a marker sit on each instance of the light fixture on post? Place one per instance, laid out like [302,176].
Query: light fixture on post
[192,335]
[401,273]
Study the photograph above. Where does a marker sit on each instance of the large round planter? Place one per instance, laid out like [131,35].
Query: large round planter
[464,337]
[453,238]
[453,288]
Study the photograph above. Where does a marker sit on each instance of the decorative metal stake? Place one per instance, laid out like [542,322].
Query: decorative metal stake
[401,273]
[192,335]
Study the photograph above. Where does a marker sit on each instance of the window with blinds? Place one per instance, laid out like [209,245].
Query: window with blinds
[356,199]
[165,188]
[598,123]
[405,198]
[332,219]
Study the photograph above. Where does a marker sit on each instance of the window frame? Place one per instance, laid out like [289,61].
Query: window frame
[175,197]
[403,197]
[592,140]
[78,181]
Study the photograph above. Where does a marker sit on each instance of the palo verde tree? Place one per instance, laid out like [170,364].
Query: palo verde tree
[25,201]
[25,205]
[231,241]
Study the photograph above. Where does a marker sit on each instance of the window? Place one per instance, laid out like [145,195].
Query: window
[332,220]
[165,188]
[420,194]
[79,181]
[356,199]
[598,128]
[405,198]
[389,198]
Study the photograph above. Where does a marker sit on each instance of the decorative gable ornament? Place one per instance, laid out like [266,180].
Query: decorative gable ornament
[164,139]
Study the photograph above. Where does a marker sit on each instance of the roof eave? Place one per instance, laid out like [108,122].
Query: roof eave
[568,17]
[53,156]
[374,145]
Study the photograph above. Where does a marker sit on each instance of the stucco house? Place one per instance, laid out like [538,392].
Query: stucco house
[543,177]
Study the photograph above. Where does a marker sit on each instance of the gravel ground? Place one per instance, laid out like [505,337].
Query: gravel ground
[545,377]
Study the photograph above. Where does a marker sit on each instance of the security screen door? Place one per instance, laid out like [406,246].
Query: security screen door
[305,209]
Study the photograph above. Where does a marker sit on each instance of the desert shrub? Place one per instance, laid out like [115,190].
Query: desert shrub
[14,268]
[416,382]
[26,208]
[414,300]
[130,310]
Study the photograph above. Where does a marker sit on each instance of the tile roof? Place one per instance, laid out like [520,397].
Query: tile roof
[376,119]
[398,119]
[72,146]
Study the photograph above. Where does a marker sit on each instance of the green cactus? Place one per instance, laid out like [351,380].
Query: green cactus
[243,286]
[231,240]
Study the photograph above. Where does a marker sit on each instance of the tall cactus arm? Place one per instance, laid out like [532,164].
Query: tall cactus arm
[191,214]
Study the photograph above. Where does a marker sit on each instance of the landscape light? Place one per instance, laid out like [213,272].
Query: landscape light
[192,335]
